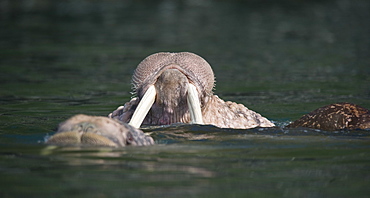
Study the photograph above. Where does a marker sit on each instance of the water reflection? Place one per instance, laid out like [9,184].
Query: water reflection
[128,158]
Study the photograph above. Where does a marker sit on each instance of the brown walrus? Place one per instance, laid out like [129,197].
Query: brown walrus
[335,117]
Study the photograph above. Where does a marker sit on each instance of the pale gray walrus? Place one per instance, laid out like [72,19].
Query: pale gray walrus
[178,87]
[98,131]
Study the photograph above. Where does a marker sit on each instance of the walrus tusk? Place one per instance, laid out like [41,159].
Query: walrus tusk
[143,108]
[149,97]
[194,105]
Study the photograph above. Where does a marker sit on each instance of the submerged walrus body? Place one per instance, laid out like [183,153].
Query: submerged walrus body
[335,117]
[177,87]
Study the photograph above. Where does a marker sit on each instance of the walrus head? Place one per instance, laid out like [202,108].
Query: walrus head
[98,131]
[173,85]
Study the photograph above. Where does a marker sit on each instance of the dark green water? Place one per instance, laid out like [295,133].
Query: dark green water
[280,58]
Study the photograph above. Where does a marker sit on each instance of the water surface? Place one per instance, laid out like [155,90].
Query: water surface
[280,58]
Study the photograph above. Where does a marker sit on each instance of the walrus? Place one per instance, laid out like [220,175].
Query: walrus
[98,131]
[178,87]
[335,116]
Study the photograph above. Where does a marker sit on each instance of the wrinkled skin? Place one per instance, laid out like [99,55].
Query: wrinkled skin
[335,117]
[171,76]
[98,131]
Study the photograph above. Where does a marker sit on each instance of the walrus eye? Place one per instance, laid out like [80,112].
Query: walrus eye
[78,127]
[143,108]
[194,105]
